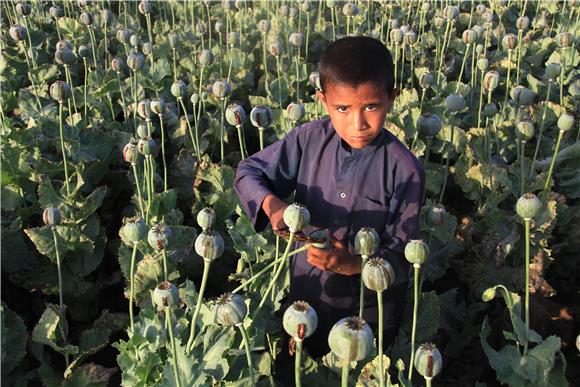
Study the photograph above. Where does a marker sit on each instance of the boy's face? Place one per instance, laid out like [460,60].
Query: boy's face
[357,113]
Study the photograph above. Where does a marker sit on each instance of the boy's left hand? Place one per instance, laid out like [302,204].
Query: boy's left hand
[335,258]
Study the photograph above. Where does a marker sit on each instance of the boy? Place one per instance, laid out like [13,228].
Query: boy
[350,173]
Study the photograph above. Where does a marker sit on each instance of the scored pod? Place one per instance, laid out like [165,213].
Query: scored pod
[159,236]
[231,309]
[378,274]
[428,360]
[300,320]
[209,245]
[366,241]
[351,339]
[297,217]
[206,218]
[165,294]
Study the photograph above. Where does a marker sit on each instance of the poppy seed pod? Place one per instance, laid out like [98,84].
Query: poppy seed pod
[134,230]
[165,295]
[130,152]
[60,91]
[394,23]
[200,27]
[525,130]
[553,71]
[469,36]
[158,236]
[106,16]
[144,109]
[490,80]
[146,48]
[350,9]
[87,18]
[300,320]
[173,40]
[522,96]
[488,294]
[428,360]
[51,216]
[158,106]
[378,274]
[206,218]
[284,10]
[490,110]
[17,32]
[351,339]
[483,64]
[178,89]
[23,9]
[219,27]
[84,51]
[296,217]
[205,58]
[522,23]
[509,41]
[261,116]
[429,124]
[63,44]
[425,7]
[479,48]
[426,80]
[135,40]
[565,122]
[454,103]
[305,6]
[65,57]
[276,48]
[296,39]
[410,38]
[231,309]
[564,39]
[366,241]
[233,38]
[143,130]
[439,22]
[416,252]
[221,89]
[135,61]
[480,9]
[405,28]
[314,79]
[235,114]
[488,16]
[528,206]
[145,7]
[194,99]
[295,111]
[451,12]
[209,245]
[124,35]
[397,35]
[320,234]
[264,26]
[292,12]
[436,215]
[146,146]
[479,30]
[56,12]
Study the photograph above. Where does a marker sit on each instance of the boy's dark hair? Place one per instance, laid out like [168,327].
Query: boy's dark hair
[354,60]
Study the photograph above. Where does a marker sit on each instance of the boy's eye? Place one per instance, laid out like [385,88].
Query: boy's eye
[342,109]
[370,108]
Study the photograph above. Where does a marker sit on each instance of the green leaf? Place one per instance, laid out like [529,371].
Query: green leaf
[189,370]
[370,374]
[10,197]
[217,341]
[90,204]
[161,69]
[14,337]
[45,72]
[161,204]
[51,330]
[89,375]
[279,91]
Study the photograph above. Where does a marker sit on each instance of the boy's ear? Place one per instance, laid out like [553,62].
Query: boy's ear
[321,97]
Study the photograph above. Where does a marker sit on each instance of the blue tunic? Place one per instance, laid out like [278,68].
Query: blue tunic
[379,186]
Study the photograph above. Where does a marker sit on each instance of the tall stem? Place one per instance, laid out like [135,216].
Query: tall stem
[462,67]
[58,266]
[134,167]
[553,163]
[298,362]
[507,84]
[344,378]
[449,151]
[132,284]
[527,304]
[66,177]
[248,353]
[522,173]
[193,144]
[541,128]
[381,365]
[164,255]
[206,266]
[361,301]
[173,349]
[416,290]
[163,153]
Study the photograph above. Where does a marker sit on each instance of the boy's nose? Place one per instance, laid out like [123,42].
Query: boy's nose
[359,121]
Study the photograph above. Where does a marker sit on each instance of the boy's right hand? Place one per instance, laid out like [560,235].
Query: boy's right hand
[274,209]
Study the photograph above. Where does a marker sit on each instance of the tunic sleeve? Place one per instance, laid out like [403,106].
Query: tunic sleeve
[271,171]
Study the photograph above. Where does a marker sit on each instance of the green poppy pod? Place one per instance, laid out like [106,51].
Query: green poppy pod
[296,216]
[233,38]
[235,114]
[147,48]
[428,360]
[228,4]
[426,80]
[436,215]
[350,9]
[397,35]
[135,61]
[284,10]
[489,294]
[165,295]
[145,7]
[158,236]
[488,16]
[394,23]
[300,320]
[60,91]
[425,7]
[219,27]
[209,245]
[564,39]
[480,9]
[320,234]
[194,99]
[405,28]
[522,23]
[366,241]
[106,16]
[205,58]
[454,103]
[173,40]
[490,110]
[130,152]
[330,3]
[158,106]
[565,122]
[221,89]
[479,30]
[305,6]
[295,111]
[296,39]
[276,48]
[261,116]
[143,130]
[87,18]
[378,274]
[84,51]
[63,45]
[416,252]
[178,89]
[144,109]
[525,130]
[490,81]
[314,79]
[17,32]
[528,206]
[439,22]
[293,12]
[451,12]
[482,64]
[206,218]
[239,4]
[231,309]
[200,27]
[65,57]
[479,48]
[469,37]
[123,35]
[147,146]
[56,12]
[23,9]
[509,41]
[135,40]
[410,38]
[264,26]
[552,71]
[51,216]
[134,230]
[83,3]
[522,96]
[429,124]
[351,339]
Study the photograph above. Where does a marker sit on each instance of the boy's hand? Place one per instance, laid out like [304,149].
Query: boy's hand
[274,209]
[335,258]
